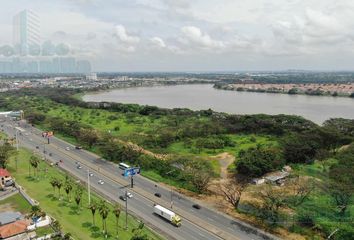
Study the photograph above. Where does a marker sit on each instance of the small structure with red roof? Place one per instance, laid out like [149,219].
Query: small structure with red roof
[5,178]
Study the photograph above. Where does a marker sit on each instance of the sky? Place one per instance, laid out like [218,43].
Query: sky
[198,35]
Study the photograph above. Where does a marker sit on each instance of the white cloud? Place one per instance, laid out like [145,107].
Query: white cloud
[158,42]
[195,37]
[122,35]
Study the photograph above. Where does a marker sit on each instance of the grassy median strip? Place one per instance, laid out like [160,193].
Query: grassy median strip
[73,218]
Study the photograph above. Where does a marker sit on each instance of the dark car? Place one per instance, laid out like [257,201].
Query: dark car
[50,154]
[37,147]
[157,195]
[197,206]
[123,198]
[78,147]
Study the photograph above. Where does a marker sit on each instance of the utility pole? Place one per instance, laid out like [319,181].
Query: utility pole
[131,181]
[88,186]
[126,210]
[16,139]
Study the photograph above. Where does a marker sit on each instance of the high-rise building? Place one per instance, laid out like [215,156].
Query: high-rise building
[26,31]
[83,66]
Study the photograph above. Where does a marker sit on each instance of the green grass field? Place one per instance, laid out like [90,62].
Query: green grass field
[76,221]
[16,203]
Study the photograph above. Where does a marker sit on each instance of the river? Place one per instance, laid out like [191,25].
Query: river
[204,96]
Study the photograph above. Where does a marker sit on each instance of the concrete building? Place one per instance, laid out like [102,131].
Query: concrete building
[5,178]
[91,77]
[26,31]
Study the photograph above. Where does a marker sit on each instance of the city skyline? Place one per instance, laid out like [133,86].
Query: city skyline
[164,35]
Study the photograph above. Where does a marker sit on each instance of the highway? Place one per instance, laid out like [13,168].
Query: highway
[204,223]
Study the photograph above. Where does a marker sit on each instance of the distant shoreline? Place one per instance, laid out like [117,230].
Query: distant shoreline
[311,89]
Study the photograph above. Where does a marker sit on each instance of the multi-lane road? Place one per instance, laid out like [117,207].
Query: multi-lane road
[203,223]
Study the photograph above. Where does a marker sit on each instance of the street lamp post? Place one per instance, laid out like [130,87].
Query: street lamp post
[16,139]
[171,190]
[126,209]
[88,186]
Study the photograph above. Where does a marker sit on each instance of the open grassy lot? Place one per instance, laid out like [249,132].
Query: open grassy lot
[15,203]
[76,220]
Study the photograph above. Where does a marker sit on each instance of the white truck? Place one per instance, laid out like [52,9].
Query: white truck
[168,215]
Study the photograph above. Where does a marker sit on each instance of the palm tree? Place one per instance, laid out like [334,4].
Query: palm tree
[93,207]
[36,212]
[68,187]
[34,161]
[104,211]
[59,185]
[78,194]
[53,182]
[56,226]
[116,212]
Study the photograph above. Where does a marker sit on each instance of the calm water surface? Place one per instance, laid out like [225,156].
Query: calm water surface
[204,96]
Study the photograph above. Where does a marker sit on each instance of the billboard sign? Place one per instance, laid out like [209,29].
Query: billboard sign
[131,171]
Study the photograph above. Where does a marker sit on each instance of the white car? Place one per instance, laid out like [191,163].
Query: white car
[91,174]
[129,195]
[100,182]
[67,148]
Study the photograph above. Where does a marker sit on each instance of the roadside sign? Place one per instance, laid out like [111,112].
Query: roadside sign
[131,171]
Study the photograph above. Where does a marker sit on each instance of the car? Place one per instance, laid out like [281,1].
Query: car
[78,167]
[129,195]
[77,163]
[123,198]
[44,152]
[78,147]
[100,182]
[60,160]
[67,148]
[37,147]
[157,195]
[91,174]
[57,164]
[50,154]
[196,206]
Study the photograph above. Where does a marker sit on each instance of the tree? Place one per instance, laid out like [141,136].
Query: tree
[301,148]
[36,212]
[59,184]
[232,191]
[116,212]
[93,207]
[138,232]
[5,151]
[78,194]
[272,200]
[34,161]
[68,188]
[67,236]
[342,178]
[88,136]
[302,188]
[54,182]
[56,226]
[104,211]
[199,173]
[255,162]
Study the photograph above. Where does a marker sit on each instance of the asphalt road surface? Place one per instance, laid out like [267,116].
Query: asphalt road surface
[203,223]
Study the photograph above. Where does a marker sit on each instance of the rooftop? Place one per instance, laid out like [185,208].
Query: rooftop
[4,173]
[13,229]
[9,217]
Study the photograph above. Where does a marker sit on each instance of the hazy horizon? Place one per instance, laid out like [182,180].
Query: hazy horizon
[198,36]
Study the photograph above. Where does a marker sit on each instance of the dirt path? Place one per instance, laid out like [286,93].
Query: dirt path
[225,159]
